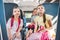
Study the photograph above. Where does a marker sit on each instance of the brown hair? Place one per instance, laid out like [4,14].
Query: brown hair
[15,7]
[34,9]
[40,5]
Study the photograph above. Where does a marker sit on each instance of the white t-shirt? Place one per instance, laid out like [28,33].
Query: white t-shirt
[15,25]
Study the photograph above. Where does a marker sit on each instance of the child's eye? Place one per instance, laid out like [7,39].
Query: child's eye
[38,8]
[14,11]
[18,11]
[41,7]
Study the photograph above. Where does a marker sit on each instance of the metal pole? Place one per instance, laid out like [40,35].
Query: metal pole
[3,21]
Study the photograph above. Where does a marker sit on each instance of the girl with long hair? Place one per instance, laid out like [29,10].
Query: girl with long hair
[14,25]
[42,18]
[42,23]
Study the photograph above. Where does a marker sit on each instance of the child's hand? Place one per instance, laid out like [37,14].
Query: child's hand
[10,37]
[17,34]
[27,38]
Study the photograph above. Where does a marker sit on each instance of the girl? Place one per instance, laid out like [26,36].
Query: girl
[45,21]
[32,25]
[42,19]
[34,14]
[14,25]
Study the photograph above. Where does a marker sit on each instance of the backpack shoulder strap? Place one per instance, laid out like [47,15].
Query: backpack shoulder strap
[12,20]
[19,21]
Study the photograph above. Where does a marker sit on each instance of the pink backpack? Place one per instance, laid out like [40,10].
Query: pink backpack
[45,36]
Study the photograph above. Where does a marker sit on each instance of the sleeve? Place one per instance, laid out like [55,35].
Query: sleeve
[8,23]
[49,17]
[21,24]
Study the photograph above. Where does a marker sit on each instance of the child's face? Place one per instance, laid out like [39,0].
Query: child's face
[16,12]
[34,12]
[41,10]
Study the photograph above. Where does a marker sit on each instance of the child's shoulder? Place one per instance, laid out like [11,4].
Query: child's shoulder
[36,18]
[21,20]
[9,19]
[48,16]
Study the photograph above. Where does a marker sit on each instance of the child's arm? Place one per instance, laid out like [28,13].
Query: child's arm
[27,35]
[8,26]
[36,23]
[9,30]
[35,29]
[9,33]
[20,28]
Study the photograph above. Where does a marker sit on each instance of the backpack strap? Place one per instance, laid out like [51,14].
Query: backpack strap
[12,21]
[19,21]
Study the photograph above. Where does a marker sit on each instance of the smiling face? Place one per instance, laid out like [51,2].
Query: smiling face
[16,12]
[34,12]
[41,10]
